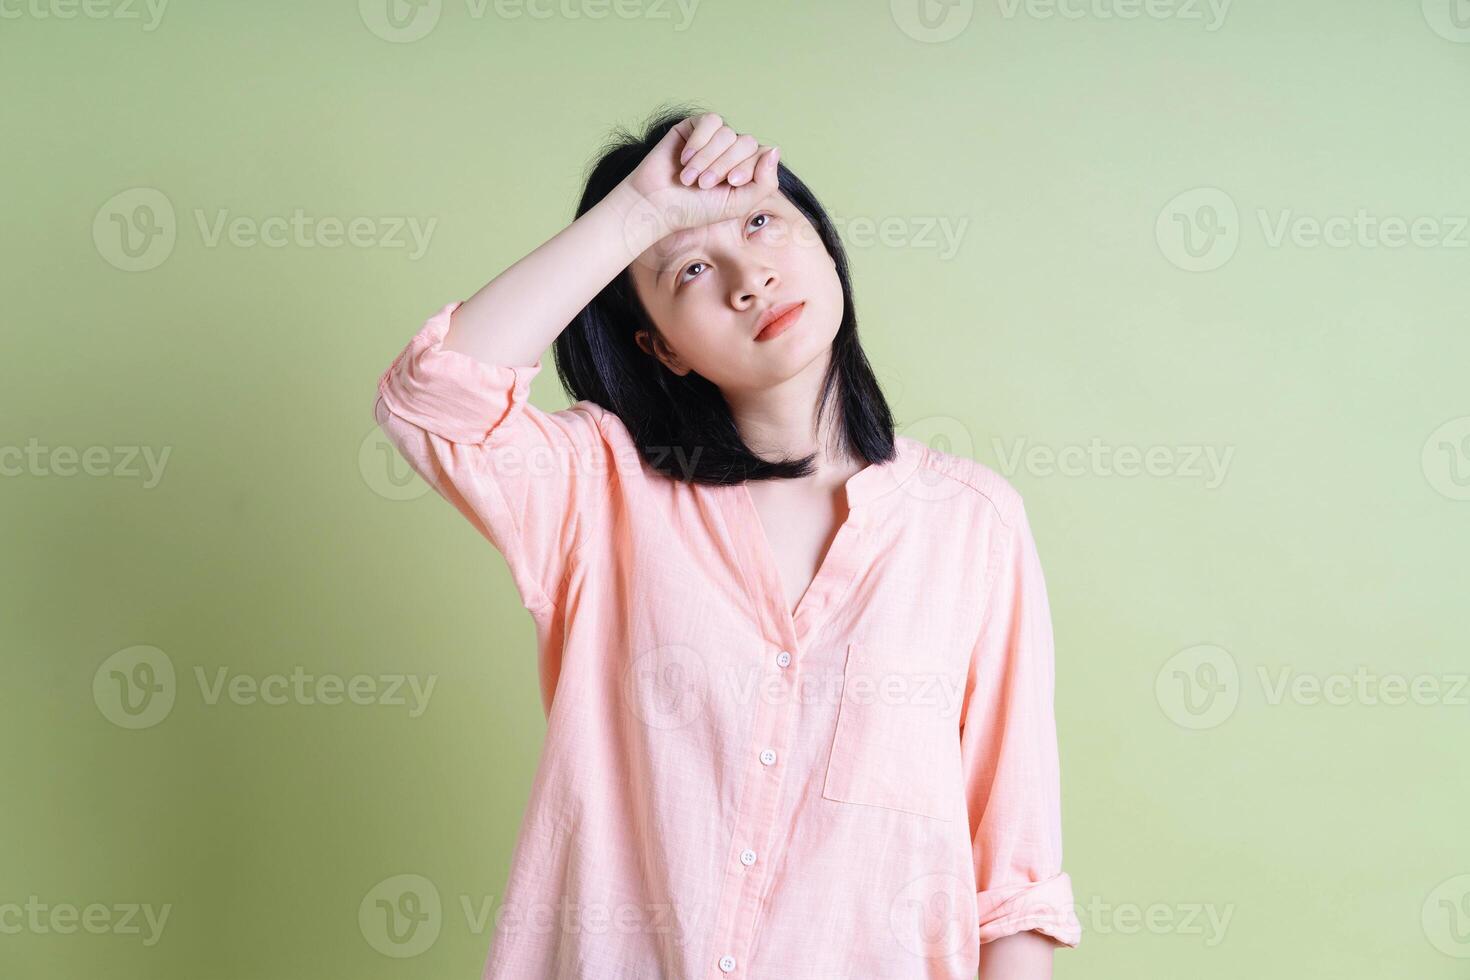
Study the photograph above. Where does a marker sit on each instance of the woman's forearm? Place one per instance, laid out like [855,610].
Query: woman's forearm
[516,316]
[1020,956]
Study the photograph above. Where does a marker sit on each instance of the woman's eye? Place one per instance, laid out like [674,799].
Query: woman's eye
[754,218]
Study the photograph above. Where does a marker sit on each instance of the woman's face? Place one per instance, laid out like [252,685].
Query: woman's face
[705,288]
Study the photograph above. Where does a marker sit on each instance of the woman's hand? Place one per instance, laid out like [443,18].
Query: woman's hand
[702,172]
[515,317]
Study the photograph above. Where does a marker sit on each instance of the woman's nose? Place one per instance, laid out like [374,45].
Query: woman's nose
[763,281]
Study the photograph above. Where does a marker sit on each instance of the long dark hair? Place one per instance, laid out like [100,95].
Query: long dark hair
[682,424]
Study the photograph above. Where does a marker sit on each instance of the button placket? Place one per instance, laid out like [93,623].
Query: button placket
[742,892]
[756,819]
[741,901]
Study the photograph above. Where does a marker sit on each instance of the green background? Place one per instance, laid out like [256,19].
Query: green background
[1330,838]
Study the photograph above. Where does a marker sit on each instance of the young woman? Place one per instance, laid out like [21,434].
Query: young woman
[797,669]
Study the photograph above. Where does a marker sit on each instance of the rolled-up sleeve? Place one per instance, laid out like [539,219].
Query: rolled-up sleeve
[532,482]
[1009,751]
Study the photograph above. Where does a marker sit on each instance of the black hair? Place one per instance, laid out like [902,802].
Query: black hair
[682,424]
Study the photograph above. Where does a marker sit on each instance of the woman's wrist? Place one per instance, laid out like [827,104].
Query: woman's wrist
[645,218]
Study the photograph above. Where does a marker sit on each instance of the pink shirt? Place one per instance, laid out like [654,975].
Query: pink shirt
[866,789]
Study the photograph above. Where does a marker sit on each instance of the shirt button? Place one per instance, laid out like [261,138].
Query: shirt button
[727,963]
[783,658]
[747,857]
[768,756]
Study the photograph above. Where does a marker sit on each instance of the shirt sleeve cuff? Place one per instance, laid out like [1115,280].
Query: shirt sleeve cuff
[1045,906]
[449,393]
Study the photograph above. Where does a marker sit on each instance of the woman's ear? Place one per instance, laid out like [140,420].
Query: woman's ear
[655,346]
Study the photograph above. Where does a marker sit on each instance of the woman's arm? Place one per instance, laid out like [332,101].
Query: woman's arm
[517,315]
[455,403]
[1019,956]
[1008,741]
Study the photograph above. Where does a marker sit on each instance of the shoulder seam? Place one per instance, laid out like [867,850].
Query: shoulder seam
[972,474]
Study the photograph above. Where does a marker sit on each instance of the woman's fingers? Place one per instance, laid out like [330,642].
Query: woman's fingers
[700,129]
[744,171]
[766,173]
[720,141]
[713,152]
[741,150]
[760,185]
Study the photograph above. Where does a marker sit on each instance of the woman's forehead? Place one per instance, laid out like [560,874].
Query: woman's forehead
[654,258]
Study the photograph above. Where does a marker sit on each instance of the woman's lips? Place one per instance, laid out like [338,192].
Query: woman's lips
[782,323]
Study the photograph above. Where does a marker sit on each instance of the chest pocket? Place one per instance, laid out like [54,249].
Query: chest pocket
[896,744]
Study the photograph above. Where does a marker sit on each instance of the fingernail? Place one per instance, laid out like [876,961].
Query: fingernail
[686,176]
